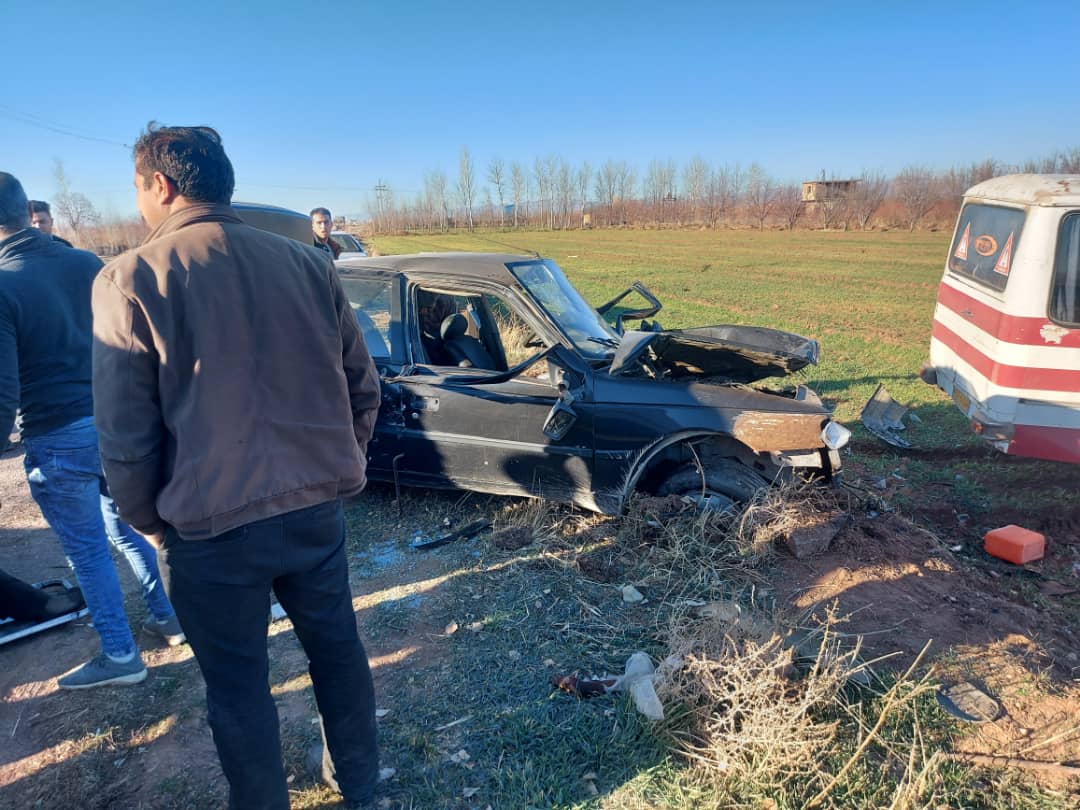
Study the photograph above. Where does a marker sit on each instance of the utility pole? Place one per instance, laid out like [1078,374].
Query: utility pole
[381,190]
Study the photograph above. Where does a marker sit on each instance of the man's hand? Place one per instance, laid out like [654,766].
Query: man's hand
[157,539]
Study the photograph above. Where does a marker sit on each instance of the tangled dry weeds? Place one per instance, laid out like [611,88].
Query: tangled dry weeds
[769,711]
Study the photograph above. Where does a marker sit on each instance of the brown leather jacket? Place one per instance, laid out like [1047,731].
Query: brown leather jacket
[231,381]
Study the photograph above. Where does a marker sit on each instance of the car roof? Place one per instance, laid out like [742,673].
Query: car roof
[1030,189]
[487,266]
[276,219]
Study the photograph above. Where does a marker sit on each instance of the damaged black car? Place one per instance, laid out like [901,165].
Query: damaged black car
[498,377]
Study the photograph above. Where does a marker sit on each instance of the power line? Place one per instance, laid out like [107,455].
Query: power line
[62,129]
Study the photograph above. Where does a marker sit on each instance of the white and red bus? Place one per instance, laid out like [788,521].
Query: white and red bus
[1006,335]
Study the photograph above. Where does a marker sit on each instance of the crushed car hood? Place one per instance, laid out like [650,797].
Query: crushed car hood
[742,354]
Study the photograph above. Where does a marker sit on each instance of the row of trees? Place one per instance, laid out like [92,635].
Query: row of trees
[551,193]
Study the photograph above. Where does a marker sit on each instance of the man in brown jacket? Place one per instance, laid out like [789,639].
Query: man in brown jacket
[234,400]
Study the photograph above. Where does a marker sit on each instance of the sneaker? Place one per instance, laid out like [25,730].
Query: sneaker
[169,629]
[103,671]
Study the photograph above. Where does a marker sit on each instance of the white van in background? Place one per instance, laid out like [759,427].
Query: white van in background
[1006,334]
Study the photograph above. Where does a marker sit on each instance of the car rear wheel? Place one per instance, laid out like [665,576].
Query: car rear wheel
[727,484]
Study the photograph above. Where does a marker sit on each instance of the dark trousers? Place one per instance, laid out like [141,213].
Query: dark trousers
[220,589]
[19,600]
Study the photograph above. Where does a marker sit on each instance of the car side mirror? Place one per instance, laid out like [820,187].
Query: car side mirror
[616,311]
[560,419]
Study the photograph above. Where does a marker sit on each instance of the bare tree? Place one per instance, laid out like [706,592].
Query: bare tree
[696,185]
[583,176]
[624,189]
[466,185]
[565,186]
[789,204]
[725,188]
[73,207]
[606,186]
[760,194]
[659,187]
[869,194]
[918,190]
[551,169]
[489,209]
[497,178]
[517,183]
[435,190]
[543,186]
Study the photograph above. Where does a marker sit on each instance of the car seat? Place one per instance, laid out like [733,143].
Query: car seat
[466,351]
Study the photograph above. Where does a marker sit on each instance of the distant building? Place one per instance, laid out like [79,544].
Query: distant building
[816,191]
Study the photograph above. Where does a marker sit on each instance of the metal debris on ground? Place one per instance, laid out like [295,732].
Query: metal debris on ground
[422,543]
[969,703]
[883,416]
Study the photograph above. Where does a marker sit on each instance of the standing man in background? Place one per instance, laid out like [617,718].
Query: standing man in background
[45,364]
[41,218]
[322,224]
[235,399]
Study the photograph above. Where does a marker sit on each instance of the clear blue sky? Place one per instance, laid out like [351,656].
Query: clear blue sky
[318,102]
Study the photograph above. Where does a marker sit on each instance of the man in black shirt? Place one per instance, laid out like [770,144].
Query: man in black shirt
[41,218]
[45,378]
[321,226]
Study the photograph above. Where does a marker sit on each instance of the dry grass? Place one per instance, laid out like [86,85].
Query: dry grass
[696,555]
[760,718]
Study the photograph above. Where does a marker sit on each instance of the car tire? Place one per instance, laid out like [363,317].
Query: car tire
[728,483]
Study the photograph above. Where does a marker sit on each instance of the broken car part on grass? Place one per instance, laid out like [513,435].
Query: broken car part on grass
[884,417]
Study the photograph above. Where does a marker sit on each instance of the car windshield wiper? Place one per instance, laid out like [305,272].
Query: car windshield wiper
[604,341]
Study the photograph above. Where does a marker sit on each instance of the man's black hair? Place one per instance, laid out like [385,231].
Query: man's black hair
[14,215]
[191,157]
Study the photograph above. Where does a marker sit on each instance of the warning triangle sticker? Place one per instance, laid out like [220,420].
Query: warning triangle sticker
[1004,258]
[962,248]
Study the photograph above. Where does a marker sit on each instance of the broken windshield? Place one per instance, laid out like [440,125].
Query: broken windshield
[583,325]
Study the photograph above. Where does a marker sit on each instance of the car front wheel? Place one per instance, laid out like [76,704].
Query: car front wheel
[727,483]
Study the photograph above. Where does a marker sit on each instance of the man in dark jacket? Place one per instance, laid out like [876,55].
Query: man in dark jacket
[235,398]
[45,363]
[41,218]
[322,225]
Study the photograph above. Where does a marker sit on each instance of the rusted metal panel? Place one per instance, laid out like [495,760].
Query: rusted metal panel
[763,432]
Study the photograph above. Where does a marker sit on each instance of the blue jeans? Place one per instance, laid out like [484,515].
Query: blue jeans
[64,472]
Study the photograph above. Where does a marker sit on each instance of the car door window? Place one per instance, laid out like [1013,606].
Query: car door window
[518,339]
[370,300]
